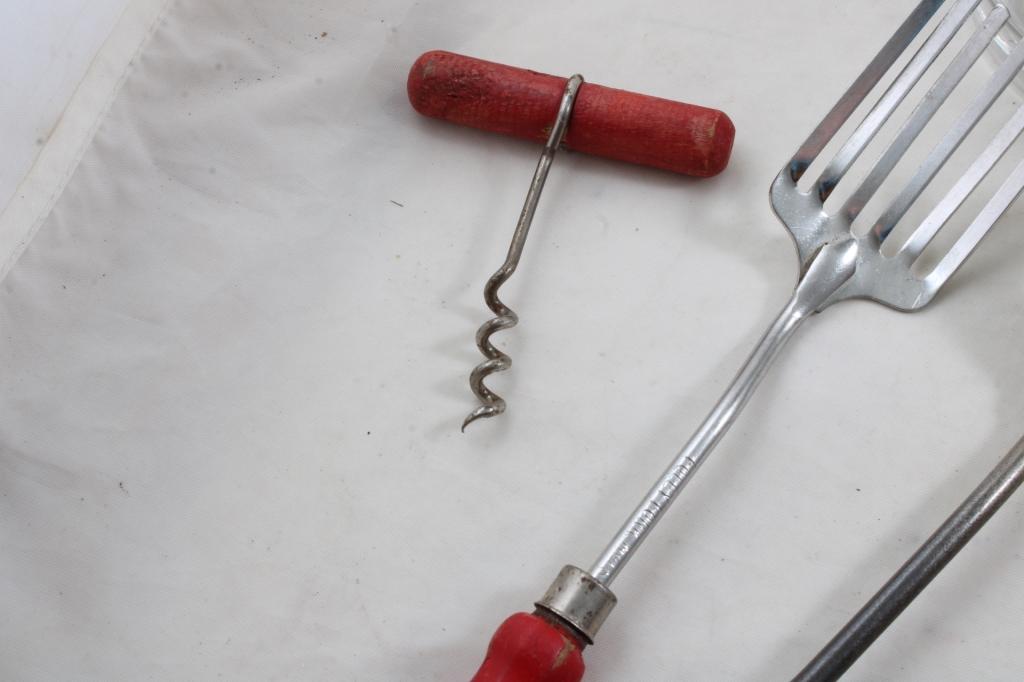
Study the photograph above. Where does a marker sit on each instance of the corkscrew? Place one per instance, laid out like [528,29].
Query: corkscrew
[616,124]
[493,404]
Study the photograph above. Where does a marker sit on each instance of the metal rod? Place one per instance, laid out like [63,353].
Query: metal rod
[505,318]
[888,603]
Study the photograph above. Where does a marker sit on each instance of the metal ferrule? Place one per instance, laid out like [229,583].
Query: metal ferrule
[580,600]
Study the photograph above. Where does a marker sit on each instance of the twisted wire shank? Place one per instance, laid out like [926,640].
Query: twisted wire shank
[491,403]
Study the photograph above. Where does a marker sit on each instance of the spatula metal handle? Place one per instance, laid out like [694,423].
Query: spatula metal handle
[832,267]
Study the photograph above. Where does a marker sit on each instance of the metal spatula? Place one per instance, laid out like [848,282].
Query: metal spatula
[839,265]
[836,263]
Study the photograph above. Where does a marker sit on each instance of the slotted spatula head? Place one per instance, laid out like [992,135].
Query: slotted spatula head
[890,278]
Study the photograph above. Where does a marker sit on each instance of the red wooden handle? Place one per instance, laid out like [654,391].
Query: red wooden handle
[683,138]
[527,648]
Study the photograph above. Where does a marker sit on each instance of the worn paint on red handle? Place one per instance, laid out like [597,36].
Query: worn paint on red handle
[678,137]
[527,648]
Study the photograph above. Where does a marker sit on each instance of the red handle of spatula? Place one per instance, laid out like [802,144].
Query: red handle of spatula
[678,137]
[527,648]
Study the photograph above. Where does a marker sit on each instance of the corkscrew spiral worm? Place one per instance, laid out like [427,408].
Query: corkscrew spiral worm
[491,404]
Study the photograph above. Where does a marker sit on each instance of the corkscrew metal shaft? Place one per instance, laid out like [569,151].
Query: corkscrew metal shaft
[505,318]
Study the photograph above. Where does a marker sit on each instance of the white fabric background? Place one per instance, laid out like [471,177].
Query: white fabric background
[235,357]
[46,48]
